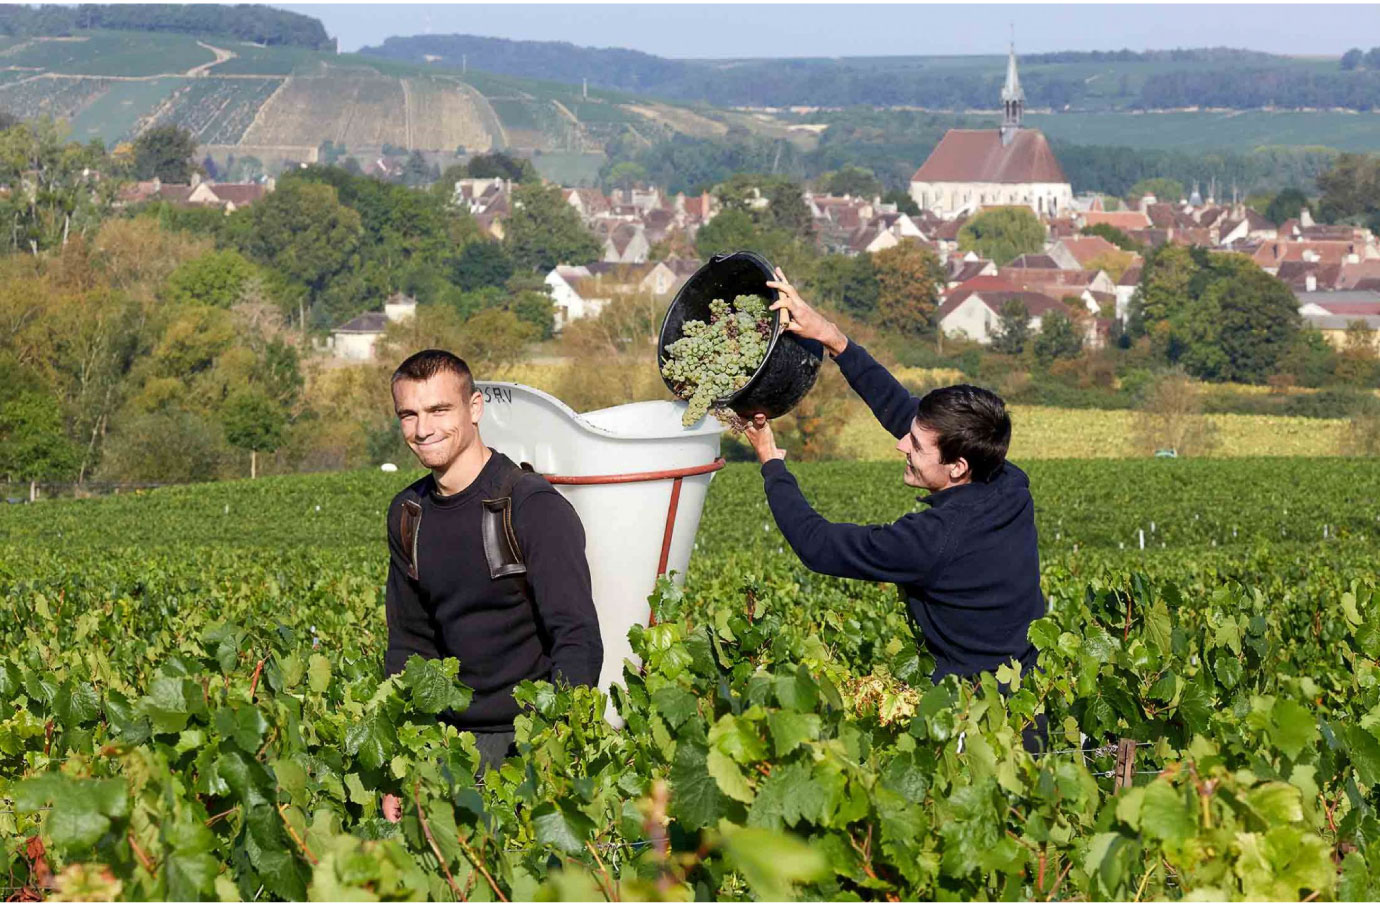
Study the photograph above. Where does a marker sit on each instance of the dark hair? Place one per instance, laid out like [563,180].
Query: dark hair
[428,363]
[972,424]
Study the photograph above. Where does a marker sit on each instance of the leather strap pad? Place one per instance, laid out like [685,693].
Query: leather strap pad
[409,531]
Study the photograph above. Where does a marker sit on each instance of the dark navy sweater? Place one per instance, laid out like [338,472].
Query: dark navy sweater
[501,634]
[968,565]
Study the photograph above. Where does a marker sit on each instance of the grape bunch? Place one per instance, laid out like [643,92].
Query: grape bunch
[713,360]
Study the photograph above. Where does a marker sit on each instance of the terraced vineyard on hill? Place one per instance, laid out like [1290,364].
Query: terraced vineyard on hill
[282,102]
[193,707]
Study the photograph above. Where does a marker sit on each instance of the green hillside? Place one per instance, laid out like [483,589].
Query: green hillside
[280,102]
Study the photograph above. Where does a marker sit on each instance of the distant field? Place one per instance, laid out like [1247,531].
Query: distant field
[112,53]
[569,167]
[444,114]
[251,59]
[48,96]
[1045,432]
[361,108]
[1040,432]
[217,111]
[115,114]
[1240,131]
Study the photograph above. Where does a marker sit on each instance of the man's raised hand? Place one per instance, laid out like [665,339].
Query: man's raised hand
[763,442]
[803,320]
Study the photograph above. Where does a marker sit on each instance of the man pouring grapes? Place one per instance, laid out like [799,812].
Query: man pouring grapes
[968,565]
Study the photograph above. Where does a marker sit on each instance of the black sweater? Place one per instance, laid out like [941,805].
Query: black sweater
[969,565]
[454,609]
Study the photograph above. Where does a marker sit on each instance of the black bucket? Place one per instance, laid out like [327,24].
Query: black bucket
[792,363]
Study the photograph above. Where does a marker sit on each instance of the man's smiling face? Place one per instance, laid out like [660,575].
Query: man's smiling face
[924,469]
[439,417]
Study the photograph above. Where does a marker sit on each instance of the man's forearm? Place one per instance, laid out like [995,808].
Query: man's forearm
[888,399]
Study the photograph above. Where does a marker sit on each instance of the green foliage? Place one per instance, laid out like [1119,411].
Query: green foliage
[903,201]
[167,153]
[909,279]
[1113,235]
[481,263]
[258,24]
[1013,328]
[33,441]
[625,175]
[1288,204]
[1163,188]
[1350,188]
[302,231]
[712,360]
[544,231]
[1059,337]
[253,421]
[731,231]
[1003,234]
[417,173]
[218,279]
[850,180]
[498,165]
[1220,316]
[782,739]
[848,282]
[64,201]
[170,445]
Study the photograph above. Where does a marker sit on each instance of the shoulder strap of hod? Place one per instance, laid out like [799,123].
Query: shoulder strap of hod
[409,529]
[501,547]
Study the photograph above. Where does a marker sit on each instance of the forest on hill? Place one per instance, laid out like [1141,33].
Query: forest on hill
[1101,80]
[260,24]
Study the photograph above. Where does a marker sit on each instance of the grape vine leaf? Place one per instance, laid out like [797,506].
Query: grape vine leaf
[433,684]
[561,827]
[729,777]
[695,800]
[773,862]
[1166,814]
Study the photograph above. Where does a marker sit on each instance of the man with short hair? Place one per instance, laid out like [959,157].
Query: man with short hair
[486,559]
[969,565]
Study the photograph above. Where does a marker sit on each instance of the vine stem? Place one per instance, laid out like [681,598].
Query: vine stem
[296,838]
[431,840]
[214,817]
[469,853]
[254,682]
[140,854]
[611,890]
[1145,879]
[1059,882]
[1040,877]
[1310,897]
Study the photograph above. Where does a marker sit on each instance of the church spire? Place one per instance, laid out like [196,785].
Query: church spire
[1012,99]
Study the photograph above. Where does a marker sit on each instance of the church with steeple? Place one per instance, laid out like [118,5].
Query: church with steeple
[975,168]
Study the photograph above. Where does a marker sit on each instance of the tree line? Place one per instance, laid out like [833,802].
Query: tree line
[1218,77]
[892,144]
[121,327]
[259,24]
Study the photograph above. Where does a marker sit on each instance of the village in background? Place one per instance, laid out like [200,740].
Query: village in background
[168,324]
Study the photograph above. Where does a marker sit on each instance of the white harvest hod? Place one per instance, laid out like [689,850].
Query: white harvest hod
[636,477]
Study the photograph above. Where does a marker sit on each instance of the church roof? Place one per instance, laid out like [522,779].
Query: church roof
[977,155]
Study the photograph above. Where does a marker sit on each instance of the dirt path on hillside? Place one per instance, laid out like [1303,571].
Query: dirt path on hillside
[221,56]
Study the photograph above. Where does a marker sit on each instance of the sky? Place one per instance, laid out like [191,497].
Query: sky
[826,30]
